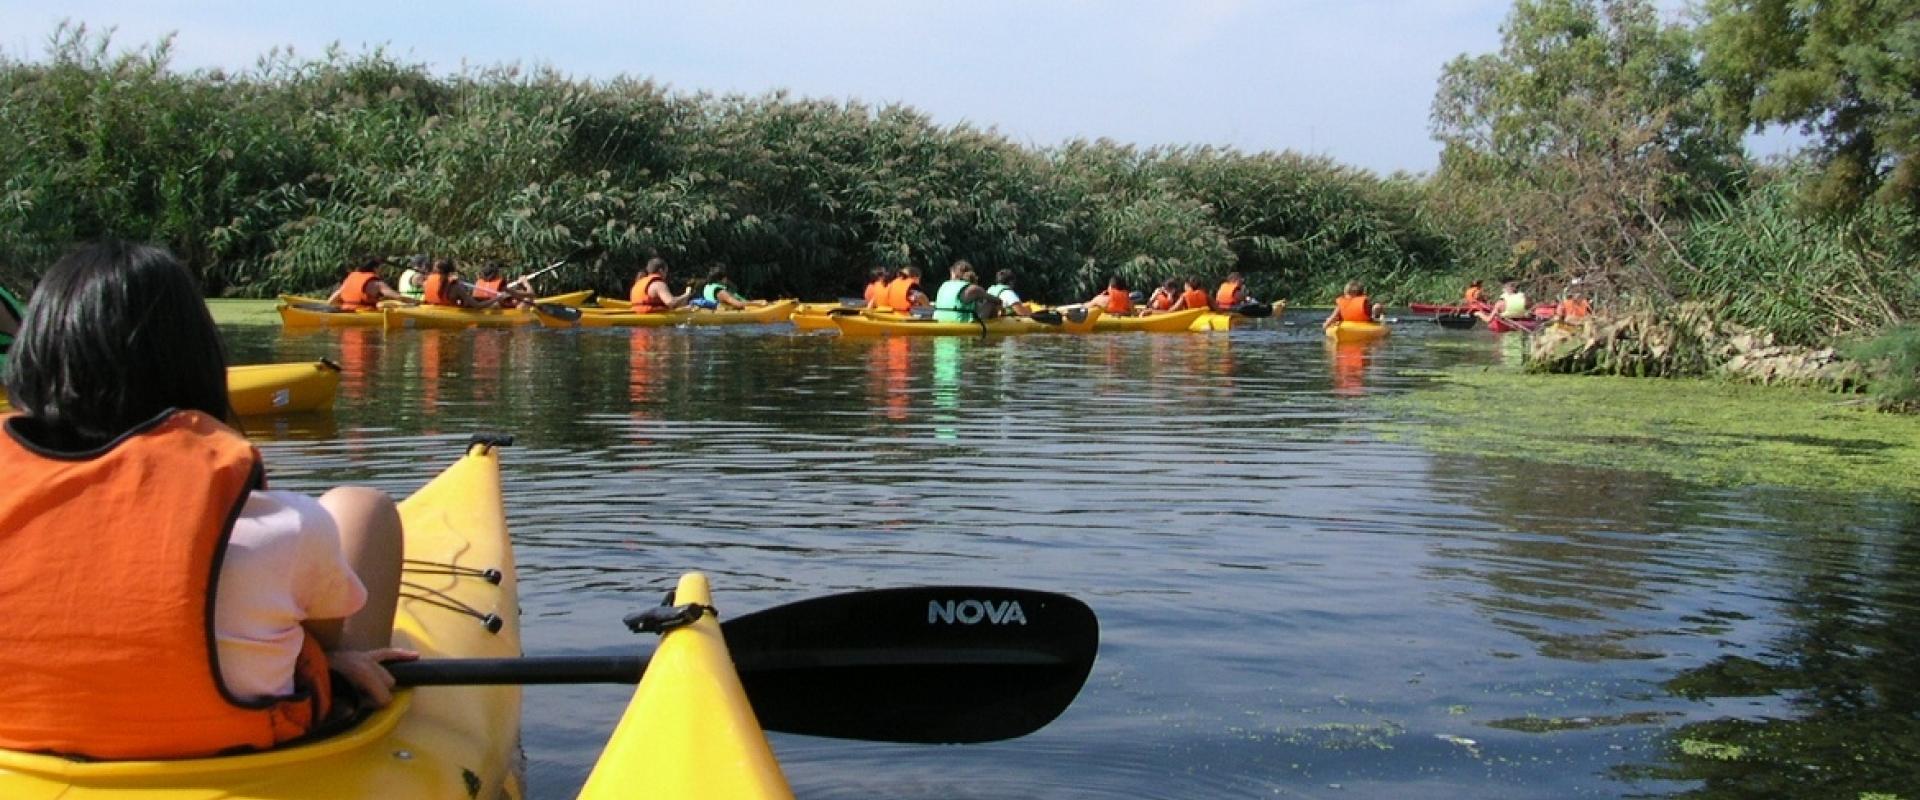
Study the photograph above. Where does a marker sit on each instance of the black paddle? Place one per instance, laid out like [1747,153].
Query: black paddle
[1252,310]
[559,312]
[926,665]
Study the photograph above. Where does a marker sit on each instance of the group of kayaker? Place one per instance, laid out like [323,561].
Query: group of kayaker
[430,281]
[961,298]
[160,601]
[1513,304]
[651,295]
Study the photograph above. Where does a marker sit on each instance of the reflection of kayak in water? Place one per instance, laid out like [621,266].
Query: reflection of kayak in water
[1349,366]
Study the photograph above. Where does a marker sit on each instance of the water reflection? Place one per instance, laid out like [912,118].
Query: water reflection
[1288,601]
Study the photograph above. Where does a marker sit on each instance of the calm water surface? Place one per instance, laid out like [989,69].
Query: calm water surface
[1293,603]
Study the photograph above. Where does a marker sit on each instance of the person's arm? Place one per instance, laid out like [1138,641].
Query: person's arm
[338,292]
[386,292]
[727,299]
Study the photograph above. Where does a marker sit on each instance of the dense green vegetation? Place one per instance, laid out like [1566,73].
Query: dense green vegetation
[270,180]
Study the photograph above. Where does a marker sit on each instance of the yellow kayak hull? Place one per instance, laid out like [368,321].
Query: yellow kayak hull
[436,742]
[449,317]
[887,324]
[302,316]
[774,312]
[1165,322]
[689,731]
[1356,331]
[282,388]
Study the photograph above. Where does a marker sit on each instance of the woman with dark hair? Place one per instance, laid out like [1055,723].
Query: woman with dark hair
[161,602]
[444,287]
[717,293]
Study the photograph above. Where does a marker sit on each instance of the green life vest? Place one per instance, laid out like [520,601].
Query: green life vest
[947,305]
[999,292]
[1513,306]
[713,290]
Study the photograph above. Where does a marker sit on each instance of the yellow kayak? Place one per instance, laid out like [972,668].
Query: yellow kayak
[689,731]
[777,311]
[1356,331]
[432,742]
[274,388]
[321,315]
[282,388]
[1165,322]
[571,299]
[449,317]
[870,325]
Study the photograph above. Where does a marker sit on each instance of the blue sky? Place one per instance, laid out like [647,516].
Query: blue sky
[1349,79]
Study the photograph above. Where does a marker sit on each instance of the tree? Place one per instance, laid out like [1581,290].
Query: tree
[1848,72]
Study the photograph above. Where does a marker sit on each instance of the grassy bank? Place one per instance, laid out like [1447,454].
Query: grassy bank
[228,311]
[1703,431]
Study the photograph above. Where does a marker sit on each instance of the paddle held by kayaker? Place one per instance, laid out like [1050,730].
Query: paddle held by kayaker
[492,285]
[650,294]
[1353,305]
[160,601]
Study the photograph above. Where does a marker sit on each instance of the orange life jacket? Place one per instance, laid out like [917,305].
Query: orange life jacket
[108,567]
[1354,308]
[1196,298]
[1119,301]
[491,286]
[642,298]
[353,291]
[1231,294]
[900,293]
[434,290]
[876,292]
[1575,308]
[1475,295]
[1162,300]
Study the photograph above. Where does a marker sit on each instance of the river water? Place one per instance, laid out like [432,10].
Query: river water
[1294,600]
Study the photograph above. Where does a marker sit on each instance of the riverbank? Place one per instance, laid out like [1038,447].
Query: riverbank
[1703,431]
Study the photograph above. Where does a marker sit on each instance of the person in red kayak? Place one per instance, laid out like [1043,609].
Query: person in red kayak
[1353,306]
[160,601]
[650,294]
[1476,298]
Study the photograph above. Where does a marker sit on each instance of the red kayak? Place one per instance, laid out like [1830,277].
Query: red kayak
[1499,324]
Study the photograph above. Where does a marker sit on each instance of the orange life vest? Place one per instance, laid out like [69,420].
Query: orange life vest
[876,292]
[1575,308]
[1354,308]
[434,290]
[491,286]
[1162,300]
[108,566]
[642,298]
[1119,301]
[1231,294]
[1196,298]
[1475,295]
[353,291]
[900,293]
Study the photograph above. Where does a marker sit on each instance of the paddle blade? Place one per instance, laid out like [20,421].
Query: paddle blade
[932,665]
[1254,310]
[559,312]
[1047,317]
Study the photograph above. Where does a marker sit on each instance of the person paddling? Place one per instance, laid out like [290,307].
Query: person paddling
[876,293]
[363,287]
[1116,301]
[1010,302]
[650,294]
[160,601]
[718,293]
[1164,296]
[1476,297]
[413,281]
[1232,293]
[903,292]
[1194,297]
[960,299]
[1353,305]
[492,285]
[445,288]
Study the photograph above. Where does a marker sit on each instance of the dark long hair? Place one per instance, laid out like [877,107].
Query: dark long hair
[116,334]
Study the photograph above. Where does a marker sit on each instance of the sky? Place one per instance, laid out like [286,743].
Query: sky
[1352,80]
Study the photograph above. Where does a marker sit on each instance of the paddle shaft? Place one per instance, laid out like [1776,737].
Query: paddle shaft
[531,670]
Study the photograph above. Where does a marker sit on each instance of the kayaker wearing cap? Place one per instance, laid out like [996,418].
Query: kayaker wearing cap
[363,287]
[650,294]
[718,293]
[1232,293]
[1164,296]
[413,280]
[904,293]
[160,601]
[1010,302]
[1116,301]
[876,293]
[1194,297]
[960,299]
[445,288]
[1353,306]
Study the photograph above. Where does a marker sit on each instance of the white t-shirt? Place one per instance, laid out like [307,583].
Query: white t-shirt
[283,565]
[1009,297]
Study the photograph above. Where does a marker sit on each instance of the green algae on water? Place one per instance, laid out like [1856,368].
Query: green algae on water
[1705,431]
[241,311]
